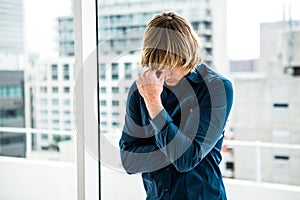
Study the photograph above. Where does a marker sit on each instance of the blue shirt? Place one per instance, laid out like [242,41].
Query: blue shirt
[178,152]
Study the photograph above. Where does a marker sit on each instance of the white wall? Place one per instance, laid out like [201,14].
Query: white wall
[35,180]
[47,180]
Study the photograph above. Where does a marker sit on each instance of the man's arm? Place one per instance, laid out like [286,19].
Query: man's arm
[185,148]
[138,150]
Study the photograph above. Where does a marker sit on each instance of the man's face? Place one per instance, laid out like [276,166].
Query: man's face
[173,76]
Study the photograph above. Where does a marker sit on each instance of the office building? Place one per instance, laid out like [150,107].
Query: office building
[11,33]
[49,96]
[122,24]
[66,36]
[272,42]
[12,113]
[266,106]
[243,65]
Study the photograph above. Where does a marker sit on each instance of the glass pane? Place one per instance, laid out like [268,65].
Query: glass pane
[120,39]
[259,55]
[37,130]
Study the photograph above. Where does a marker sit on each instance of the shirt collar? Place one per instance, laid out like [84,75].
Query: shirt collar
[196,75]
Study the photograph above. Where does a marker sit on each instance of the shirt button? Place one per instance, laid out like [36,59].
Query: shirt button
[166,190]
[168,169]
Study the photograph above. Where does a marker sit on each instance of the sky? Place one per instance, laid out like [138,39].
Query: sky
[243,23]
[243,19]
[41,27]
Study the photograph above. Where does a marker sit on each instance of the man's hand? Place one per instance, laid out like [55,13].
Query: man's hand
[150,87]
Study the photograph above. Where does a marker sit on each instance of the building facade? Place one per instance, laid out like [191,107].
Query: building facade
[121,25]
[266,109]
[12,113]
[49,96]
[65,36]
[11,33]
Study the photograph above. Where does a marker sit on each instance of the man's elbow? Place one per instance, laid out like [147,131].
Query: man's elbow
[128,163]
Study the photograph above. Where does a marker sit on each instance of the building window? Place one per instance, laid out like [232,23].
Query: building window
[55,121]
[103,123]
[103,90]
[67,102]
[44,121]
[54,89]
[66,90]
[43,89]
[115,114]
[103,103]
[67,112]
[280,105]
[54,72]
[195,25]
[55,112]
[126,89]
[55,101]
[44,112]
[115,103]
[115,90]
[43,101]
[10,91]
[114,71]
[102,71]
[103,114]
[67,122]
[66,72]
[128,71]
[44,136]
[115,123]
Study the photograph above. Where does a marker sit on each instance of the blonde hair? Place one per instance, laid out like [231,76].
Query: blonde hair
[169,42]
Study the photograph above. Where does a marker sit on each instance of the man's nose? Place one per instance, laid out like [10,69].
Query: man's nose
[167,74]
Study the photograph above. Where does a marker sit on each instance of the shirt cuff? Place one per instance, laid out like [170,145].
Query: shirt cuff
[161,120]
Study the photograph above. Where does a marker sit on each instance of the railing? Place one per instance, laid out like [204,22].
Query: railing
[258,146]
[30,131]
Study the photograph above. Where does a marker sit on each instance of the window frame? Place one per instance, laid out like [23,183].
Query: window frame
[88,168]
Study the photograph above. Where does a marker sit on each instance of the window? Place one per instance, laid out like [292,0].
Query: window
[55,121]
[103,90]
[103,103]
[44,136]
[54,89]
[103,123]
[43,89]
[54,72]
[102,71]
[67,102]
[103,114]
[44,112]
[55,112]
[55,102]
[43,101]
[126,89]
[280,105]
[115,90]
[114,71]
[67,112]
[66,72]
[115,103]
[67,122]
[115,114]
[128,71]
[115,124]
[66,90]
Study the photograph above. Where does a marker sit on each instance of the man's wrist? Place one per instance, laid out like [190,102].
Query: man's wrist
[154,109]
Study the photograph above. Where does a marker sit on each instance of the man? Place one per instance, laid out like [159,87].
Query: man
[175,116]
